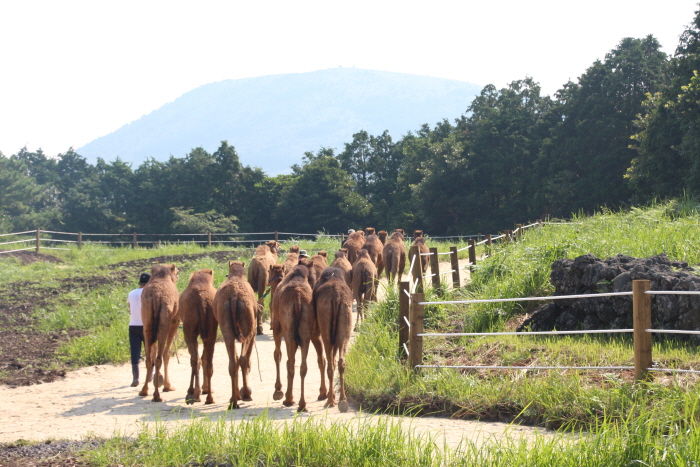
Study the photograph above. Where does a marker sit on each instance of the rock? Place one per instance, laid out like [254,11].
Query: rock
[588,274]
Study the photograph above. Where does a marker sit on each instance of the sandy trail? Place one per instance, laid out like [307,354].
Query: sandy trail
[99,400]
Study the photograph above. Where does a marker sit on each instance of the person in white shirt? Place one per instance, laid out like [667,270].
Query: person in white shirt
[136,326]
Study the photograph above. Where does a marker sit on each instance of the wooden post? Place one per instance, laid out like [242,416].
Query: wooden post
[539,221]
[342,239]
[417,271]
[38,239]
[456,282]
[403,317]
[479,237]
[277,236]
[641,309]
[80,240]
[158,242]
[136,243]
[415,348]
[435,269]
[208,238]
[488,244]
[472,253]
[520,231]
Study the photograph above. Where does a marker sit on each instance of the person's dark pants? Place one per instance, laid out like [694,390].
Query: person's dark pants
[135,340]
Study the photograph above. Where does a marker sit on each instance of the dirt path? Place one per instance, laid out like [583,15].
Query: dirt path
[98,400]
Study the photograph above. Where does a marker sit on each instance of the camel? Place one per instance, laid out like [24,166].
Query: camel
[374,247]
[417,233]
[333,304]
[394,256]
[292,259]
[198,320]
[319,262]
[276,276]
[265,256]
[235,308]
[354,242]
[422,248]
[294,318]
[341,262]
[159,312]
[364,282]
[369,231]
[380,260]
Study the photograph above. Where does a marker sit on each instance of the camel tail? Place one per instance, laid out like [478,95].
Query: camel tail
[296,314]
[202,320]
[233,313]
[392,265]
[335,311]
[156,305]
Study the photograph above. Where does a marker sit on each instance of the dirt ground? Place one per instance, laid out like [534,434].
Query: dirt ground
[99,401]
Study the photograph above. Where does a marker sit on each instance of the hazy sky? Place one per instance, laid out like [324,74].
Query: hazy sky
[72,71]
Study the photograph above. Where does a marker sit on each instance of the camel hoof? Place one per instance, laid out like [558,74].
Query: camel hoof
[328,404]
[135,383]
[301,409]
[157,399]
[278,395]
[209,401]
[288,403]
[143,393]
[247,398]
[343,406]
[233,405]
[260,331]
[322,397]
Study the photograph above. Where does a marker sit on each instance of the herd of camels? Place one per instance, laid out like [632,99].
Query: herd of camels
[310,303]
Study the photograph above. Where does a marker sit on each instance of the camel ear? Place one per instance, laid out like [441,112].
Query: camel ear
[210,272]
[230,263]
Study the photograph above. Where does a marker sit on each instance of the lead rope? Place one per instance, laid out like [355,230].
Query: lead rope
[261,307]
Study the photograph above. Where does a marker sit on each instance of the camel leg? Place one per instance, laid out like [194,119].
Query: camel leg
[259,314]
[342,401]
[278,359]
[330,358]
[302,372]
[194,391]
[291,354]
[208,367]
[246,351]
[172,331]
[159,365]
[150,353]
[323,392]
[233,372]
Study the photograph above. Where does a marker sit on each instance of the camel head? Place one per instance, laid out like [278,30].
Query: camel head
[417,233]
[323,253]
[294,249]
[203,275]
[276,276]
[401,231]
[274,246]
[369,231]
[382,236]
[342,253]
[162,271]
[236,269]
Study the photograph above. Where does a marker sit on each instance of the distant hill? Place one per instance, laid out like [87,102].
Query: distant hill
[272,120]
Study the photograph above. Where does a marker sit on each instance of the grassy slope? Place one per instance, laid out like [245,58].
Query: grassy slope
[551,398]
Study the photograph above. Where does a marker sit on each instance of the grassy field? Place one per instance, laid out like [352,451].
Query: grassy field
[622,423]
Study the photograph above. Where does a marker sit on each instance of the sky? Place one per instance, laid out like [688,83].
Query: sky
[72,71]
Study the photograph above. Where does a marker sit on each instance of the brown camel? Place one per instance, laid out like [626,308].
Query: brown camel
[374,247]
[159,312]
[291,260]
[354,242]
[333,304]
[294,318]
[380,260]
[258,274]
[235,308]
[394,256]
[276,276]
[417,233]
[198,320]
[319,262]
[341,262]
[369,231]
[423,249]
[364,282]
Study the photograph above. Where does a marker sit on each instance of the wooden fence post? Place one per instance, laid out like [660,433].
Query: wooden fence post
[435,269]
[208,238]
[136,243]
[277,236]
[38,239]
[403,317]
[80,240]
[520,231]
[472,253]
[456,281]
[415,348]
[641,310]
[417,270]
[539,221]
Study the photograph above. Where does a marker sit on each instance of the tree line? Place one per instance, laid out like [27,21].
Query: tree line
[625,133]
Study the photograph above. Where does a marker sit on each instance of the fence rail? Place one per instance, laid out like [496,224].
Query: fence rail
[413,311]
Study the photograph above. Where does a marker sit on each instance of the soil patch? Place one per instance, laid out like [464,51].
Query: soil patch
[29,356]
[28,257]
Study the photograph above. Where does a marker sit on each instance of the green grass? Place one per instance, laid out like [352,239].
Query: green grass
[381,381]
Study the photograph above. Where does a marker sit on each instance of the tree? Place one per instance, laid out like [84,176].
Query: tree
[187,221]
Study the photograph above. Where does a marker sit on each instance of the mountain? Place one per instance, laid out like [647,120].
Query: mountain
[272,120]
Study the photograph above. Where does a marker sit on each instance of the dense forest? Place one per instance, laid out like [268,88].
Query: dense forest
[627,132]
